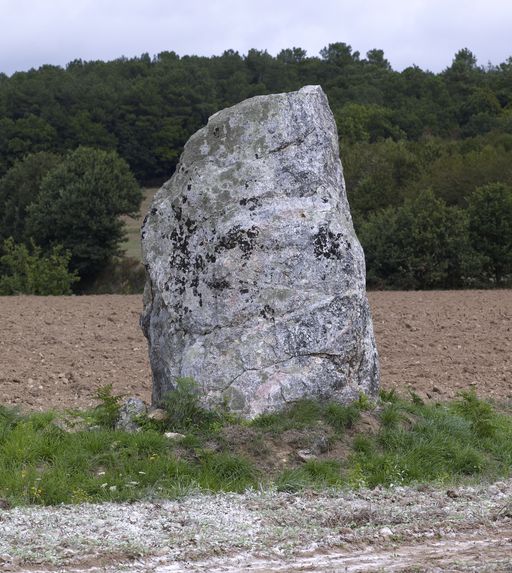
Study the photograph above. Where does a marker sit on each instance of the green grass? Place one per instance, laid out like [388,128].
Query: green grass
[40,463]
[436,442]
[308,413]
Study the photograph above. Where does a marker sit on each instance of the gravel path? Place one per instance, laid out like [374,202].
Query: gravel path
[432,529]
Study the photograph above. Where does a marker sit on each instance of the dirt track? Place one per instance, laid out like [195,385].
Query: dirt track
[402,529]
[55,351]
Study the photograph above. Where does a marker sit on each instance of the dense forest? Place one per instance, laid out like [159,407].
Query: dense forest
[427,157]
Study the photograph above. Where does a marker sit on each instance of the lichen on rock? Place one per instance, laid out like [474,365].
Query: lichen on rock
[255,277]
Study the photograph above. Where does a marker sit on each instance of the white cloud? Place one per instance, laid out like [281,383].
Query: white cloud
[422,32]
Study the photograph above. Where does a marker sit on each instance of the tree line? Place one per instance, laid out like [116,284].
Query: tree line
[425,155]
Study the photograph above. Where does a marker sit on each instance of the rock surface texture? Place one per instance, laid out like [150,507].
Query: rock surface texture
[256,279]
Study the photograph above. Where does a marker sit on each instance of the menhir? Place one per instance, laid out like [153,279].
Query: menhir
[255,277]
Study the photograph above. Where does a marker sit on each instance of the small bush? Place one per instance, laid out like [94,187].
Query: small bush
[184,411]
[388,395]
[32,272]
[107,413]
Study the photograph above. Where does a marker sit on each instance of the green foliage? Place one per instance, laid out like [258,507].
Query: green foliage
[27,271]
[400,134]
[79,205]
[490,227]
[293,480]
[41,464]
[299,413]
[106,414]
[19,187]
[421,244]
[388,395]
[8,420]
[367,123]
[379,175]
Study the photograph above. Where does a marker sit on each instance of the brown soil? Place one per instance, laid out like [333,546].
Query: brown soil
[56,351]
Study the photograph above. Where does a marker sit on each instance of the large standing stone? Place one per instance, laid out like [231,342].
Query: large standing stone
[256,279]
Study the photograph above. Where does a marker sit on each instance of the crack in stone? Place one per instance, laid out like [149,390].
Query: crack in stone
[297,141]
[326,355]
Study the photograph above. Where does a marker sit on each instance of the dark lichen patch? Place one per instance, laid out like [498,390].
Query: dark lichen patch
[251,203]
[190,224]
[180,254]
[199,263]
[180,309]
[244,239]
[177,212]
[180,284]
[244,290]
[219,284]
[328,244]
[267,312]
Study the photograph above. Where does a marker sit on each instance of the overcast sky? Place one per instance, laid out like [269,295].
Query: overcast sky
[422,32]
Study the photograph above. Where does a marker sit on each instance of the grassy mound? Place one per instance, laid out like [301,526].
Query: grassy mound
[52,458]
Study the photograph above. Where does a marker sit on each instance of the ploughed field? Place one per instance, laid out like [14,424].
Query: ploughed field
[55,352]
